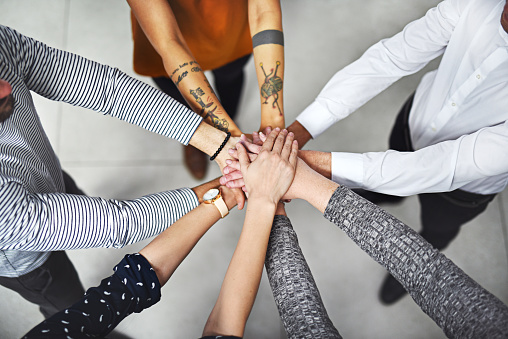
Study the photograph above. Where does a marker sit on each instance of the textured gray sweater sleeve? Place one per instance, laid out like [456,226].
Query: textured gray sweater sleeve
[294,289]
[461,307]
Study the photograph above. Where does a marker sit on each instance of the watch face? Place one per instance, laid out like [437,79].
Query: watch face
[211,194]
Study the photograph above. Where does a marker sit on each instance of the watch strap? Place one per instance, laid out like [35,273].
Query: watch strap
[221,206]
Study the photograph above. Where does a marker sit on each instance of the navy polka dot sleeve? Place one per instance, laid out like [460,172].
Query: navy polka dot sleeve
[133,287]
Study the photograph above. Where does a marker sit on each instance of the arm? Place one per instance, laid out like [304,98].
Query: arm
[442,167]
[443,291]
[137,281]
[296,295]
[461,307]
[241,282]
[381,65]
[63,76]
[50,222]
[265,22]
[161,28]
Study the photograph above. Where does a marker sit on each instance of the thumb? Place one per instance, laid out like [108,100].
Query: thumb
[243,158]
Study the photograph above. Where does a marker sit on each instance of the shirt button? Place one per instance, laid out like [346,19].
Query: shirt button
[478,76]
[433,126]
[454,104]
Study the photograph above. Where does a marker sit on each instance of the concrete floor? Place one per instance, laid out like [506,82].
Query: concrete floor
[112,159]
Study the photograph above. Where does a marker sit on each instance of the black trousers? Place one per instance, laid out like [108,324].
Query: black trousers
[55,285]
[228,81]
[442,214]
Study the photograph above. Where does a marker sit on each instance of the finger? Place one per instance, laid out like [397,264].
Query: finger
[270,140]
[267,130]
[251,147]
[243,158]
[234,154]
[279,142]
[232,176]
[286,150]
[293,157]
[240,198]
[246,137]
[255,139]
[235,183]
[235,166]
[262,136]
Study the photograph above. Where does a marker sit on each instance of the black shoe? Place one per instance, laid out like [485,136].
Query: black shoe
[377,198]
[391,291]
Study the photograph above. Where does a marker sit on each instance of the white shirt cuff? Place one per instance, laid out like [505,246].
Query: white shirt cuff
[316,119]
[347,169]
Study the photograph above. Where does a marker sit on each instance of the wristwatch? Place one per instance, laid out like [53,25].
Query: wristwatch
[213,196]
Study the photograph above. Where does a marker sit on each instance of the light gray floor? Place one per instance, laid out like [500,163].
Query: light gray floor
[112,159]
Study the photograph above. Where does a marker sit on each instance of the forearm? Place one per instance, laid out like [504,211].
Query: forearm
[438,286]
[301,134]
[320,162]
[171,247]
[296,295]
[265,21]
[63,76]
[241,282]
[50,222]
[158,22]
[132,288]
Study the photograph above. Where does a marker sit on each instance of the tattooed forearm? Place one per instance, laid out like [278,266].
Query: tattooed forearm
[185,64]
[272,86]
[180,77]
[217,122]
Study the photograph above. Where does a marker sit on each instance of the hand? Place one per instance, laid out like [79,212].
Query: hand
[221,160]
[271,174]
[301,134]
[229,196]
[304,174]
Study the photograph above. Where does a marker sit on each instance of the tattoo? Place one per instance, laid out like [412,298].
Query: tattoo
[269,36]
[197,94]
[196,69]
[182,66]
[218,123]
[210,86]
[180,77]
[271,87]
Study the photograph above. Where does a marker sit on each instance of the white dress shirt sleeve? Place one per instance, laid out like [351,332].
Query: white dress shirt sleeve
[442,167]
[381,65]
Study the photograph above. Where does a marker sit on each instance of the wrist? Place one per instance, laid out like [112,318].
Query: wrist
[301,134]
[263,201]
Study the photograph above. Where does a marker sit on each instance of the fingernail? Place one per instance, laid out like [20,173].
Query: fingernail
[277,129]
[226,171]
[229,161]
[291,134]
[285,130]
[231,151]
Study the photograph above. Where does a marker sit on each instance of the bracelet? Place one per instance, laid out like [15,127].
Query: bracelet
[228,134]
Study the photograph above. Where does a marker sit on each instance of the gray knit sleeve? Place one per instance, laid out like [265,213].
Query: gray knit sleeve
[294,289]
[461,307]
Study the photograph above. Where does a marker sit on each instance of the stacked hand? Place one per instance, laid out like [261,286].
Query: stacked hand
[268,170]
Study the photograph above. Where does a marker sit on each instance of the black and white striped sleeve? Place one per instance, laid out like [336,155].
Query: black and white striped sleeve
[63,76]
[58,221]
